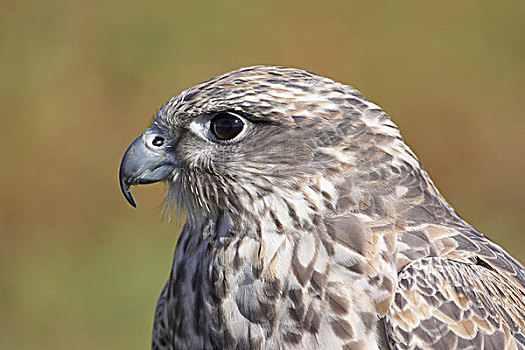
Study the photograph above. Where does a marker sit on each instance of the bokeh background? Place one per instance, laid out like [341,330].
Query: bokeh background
[79,80]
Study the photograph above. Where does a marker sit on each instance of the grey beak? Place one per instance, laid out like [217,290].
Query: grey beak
[145,161]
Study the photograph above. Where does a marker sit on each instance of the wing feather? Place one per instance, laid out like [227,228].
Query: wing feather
[446,304]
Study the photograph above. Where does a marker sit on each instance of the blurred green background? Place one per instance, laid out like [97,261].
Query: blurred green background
[81,269]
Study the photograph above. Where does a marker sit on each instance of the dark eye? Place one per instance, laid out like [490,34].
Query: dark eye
[225,126]
[158,141]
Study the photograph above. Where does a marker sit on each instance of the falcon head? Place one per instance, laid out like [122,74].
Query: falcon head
[260,132]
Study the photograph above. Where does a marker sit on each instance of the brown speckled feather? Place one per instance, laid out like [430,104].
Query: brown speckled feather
[449,304]
[312,225]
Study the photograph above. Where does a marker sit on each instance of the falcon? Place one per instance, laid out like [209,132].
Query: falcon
[310,224]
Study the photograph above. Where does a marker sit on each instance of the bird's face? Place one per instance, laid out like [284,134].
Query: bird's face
[246,134]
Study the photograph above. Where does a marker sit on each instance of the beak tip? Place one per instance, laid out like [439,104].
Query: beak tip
[125,187]
[131,200]
[127,194]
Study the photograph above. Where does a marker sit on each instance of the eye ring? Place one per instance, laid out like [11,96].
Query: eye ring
[226,126]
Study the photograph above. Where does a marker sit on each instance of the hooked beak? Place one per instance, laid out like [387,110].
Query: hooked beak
[145,161]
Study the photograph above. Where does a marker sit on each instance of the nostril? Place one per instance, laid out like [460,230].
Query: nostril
[158,141]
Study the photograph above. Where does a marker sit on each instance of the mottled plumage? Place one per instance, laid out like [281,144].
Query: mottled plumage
[313,227]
